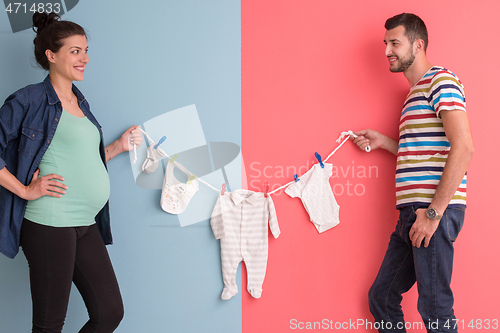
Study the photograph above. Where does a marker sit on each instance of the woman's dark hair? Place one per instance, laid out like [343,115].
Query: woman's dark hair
[50,32]
[414,27]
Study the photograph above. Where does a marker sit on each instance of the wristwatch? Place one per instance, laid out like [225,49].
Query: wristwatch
[432,214]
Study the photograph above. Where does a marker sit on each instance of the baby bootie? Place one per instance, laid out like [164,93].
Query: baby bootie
[152,159]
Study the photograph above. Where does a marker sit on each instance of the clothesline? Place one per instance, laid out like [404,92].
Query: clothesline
[161,151]
[342,135]
[175,199]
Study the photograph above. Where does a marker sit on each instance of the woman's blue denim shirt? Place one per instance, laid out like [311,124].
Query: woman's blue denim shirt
[28,121]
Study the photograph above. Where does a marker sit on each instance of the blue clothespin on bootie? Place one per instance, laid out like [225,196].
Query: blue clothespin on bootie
[319,159]
[160,142]
[296,178]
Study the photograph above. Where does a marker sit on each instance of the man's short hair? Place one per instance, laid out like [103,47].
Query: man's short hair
[414,27]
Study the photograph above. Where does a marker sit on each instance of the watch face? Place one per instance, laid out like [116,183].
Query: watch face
[431,213]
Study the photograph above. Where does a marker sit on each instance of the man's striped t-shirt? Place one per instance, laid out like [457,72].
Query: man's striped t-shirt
[423,146]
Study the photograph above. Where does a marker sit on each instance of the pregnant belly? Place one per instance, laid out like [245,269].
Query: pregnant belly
[88,191]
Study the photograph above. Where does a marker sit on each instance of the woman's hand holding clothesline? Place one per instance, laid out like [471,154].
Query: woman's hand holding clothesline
[126,142]
[130,138]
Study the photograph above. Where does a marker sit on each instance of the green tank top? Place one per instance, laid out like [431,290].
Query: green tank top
[74,155]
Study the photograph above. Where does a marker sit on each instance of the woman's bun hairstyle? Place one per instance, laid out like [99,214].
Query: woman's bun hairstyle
[50,32]
[41,20]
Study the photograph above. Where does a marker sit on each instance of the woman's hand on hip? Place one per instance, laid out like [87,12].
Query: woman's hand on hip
[46,185]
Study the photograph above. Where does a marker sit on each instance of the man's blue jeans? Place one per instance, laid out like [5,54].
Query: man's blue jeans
[431,267]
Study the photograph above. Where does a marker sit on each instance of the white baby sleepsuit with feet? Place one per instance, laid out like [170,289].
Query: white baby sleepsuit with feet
[313,188]
[240,220]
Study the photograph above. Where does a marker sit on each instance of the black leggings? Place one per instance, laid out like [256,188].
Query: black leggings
[59,256]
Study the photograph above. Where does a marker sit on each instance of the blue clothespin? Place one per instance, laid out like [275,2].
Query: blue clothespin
[319,159]
[160,142]
[296,178]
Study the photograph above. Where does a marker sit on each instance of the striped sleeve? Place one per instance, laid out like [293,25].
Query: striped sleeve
[273,219]
[446,92]
[216,221]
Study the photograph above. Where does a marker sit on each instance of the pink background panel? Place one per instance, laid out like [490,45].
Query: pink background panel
[312,69]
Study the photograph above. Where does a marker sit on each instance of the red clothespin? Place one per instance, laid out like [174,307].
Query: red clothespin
[266,188]
[223,189]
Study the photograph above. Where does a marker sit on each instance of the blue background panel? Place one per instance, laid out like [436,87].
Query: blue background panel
[146,58]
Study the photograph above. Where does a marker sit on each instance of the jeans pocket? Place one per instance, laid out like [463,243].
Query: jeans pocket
[454,219]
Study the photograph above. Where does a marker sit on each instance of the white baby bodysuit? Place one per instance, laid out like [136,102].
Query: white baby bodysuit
[240,220]
[175,196]
[313,188]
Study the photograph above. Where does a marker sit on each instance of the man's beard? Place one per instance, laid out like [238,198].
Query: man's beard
[404,64]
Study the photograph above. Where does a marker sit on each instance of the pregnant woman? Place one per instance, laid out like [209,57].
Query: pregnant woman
[54,186]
